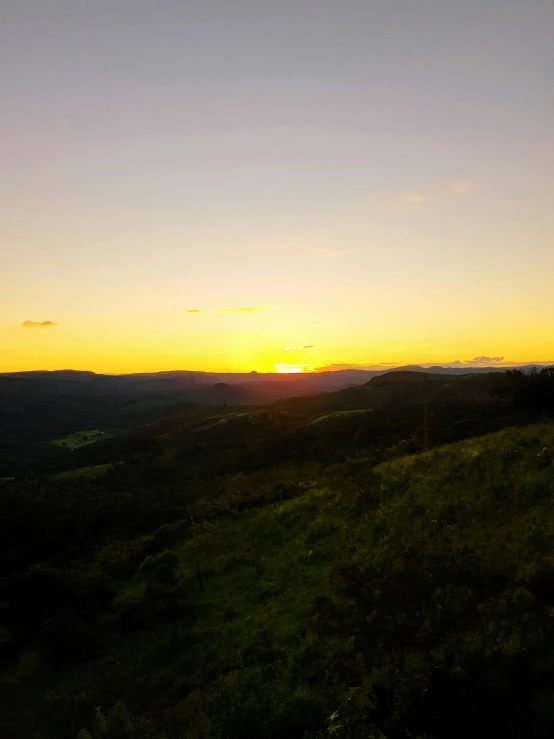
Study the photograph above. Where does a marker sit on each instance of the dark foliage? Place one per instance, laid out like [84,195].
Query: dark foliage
[269,572]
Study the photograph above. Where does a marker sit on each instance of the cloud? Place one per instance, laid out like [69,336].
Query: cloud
[486,360]
[249,309]
[482,361]
[292,348]
[253,309]
[38,324]
[461,187]
[416,199]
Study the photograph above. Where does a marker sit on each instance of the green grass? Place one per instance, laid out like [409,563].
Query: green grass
[79,439]
[412,599]
[329,417]
[92,472]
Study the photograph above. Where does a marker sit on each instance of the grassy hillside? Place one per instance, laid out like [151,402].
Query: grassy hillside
[394,389]
[414,598]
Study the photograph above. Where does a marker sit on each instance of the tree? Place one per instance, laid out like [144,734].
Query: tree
[536,396]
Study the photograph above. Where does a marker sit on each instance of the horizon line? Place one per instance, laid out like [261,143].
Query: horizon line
[317,371]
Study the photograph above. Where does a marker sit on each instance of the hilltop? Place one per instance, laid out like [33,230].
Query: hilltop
[400,388]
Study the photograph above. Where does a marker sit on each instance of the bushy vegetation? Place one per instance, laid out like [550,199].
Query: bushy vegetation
[245,573]
[352,600]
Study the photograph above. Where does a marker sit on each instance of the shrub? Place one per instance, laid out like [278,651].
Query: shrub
[160,567]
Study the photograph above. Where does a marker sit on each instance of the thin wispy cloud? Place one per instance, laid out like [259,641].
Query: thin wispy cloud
[252,309]
[440,193]
[38,324]
[247,309]
[486,360]
[482,361]
[292,348]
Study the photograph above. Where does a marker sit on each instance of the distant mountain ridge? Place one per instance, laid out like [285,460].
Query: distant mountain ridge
[394,389]
[271,385]
[467,369]
[41,404]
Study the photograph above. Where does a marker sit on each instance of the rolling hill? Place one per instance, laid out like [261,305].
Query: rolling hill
[408,598]
[36,411]
[400,388]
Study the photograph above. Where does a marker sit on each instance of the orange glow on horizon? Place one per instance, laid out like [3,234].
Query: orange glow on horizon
[292,369]
[294,340]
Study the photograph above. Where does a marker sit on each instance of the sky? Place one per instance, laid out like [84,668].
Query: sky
[237,185]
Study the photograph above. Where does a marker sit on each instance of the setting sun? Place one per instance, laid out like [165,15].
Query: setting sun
[291,369]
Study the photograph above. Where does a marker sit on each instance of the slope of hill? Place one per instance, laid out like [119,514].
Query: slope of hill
[409,599]
[224,394]
[400,388]
[40,407]
[381,419]
[234,439]
[35,411]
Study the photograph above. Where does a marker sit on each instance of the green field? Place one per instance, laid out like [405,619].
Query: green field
[78,439]
[334,415]
[94,471]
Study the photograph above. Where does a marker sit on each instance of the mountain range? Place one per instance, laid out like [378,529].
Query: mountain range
[263,387]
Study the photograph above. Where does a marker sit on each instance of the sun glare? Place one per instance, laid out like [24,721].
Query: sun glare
[290,369]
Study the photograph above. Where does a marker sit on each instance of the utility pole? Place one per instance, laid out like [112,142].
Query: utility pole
[425,416]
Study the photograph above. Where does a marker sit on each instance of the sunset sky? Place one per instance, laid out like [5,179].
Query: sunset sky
[233,186]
